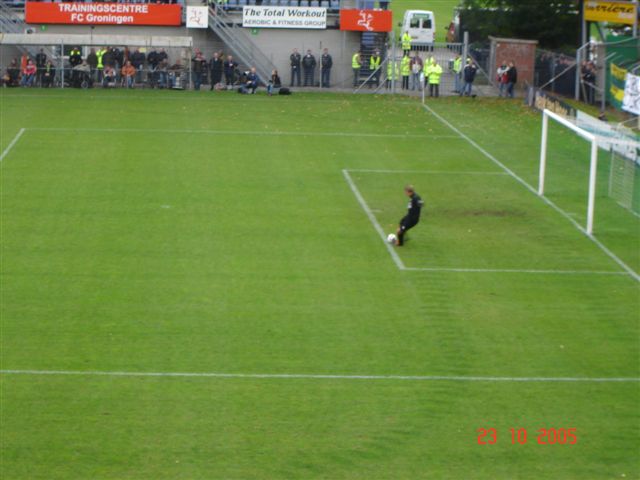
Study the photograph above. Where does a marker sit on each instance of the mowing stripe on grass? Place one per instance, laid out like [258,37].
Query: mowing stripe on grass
[519,179]
[6,151]
[447,378]
[373,220]
[247,132]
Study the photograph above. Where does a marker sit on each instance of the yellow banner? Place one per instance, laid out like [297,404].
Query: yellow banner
[619,73]
[614,12]
[617,93]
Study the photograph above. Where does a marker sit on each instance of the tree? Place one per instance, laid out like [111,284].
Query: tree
[555,24]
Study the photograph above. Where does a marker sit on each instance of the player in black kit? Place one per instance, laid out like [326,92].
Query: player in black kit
[412,217]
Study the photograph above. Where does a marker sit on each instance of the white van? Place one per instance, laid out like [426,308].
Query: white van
[421,25]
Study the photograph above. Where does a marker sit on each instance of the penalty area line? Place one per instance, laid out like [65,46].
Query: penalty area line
[513,270]
[632,273]
[303,376]
[372,218]
[6,151]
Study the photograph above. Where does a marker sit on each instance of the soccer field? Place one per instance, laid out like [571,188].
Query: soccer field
[195,286]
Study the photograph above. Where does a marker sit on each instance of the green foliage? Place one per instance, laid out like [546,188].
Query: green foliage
[554,24]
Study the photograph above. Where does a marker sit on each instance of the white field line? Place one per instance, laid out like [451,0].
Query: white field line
[509,270]
[6,151]
[429,172]
[519,179]
[373,220]
[450,378]
[400,264]
[247,132]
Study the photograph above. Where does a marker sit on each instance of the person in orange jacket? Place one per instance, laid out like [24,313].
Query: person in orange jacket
[128,74]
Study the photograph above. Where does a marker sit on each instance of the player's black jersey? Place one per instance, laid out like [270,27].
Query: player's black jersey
[415,205]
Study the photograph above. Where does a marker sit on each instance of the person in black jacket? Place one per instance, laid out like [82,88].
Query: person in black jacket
[215,67]
[326,62]
[469,75]
[230,70]
[199,69]
[512,78]
[295,60]
[137,60]
[412,217]
[309,67]
[41,61]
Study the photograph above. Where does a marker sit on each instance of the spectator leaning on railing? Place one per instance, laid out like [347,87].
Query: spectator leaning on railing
[128,74]
[29,74]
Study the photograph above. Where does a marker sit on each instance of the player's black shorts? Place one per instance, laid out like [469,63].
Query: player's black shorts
[406,223]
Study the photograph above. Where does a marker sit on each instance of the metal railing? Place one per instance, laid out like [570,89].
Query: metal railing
[233,35]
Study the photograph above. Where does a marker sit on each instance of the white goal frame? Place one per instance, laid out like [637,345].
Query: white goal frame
[593,166]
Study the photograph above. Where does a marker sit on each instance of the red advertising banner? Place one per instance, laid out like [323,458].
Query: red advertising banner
[77,13]
[355,20]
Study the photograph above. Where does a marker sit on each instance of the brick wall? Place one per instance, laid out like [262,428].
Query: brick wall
[521,52]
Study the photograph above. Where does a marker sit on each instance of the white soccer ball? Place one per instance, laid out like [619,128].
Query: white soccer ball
[391,238]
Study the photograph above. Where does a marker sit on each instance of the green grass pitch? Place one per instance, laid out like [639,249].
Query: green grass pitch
[168,232]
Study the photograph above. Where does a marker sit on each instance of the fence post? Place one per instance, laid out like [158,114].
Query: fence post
[465,48]
[61,64]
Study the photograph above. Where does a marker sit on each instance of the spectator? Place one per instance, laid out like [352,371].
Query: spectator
[469,75]
[12,77]
[251,83]
[117,58]
[81,75]
[75,57]
[48,74]
[274,83]
[175,75]
[109,77]
[152,61]
[216,68]
[24,59]
[512,79]
[41,61]
[29,74]
[434,73]
[416,70]
[588,82]
[309,67]
[100,62]
[326,62]
[92,61]
[295,60]
[163,75]
[129,74]
[406,43]
[393,71]
[405,70]
[356,64]
[198,68]
[137,61]
[501,78]
[457,73]
[230,71]
[374,66]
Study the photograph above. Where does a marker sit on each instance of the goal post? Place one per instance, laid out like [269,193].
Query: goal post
[593,164]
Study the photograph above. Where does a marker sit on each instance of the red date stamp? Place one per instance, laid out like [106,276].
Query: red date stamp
[520,436]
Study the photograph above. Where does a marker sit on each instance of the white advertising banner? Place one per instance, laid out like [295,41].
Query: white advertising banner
[631,100]
[197,17]
[284,17]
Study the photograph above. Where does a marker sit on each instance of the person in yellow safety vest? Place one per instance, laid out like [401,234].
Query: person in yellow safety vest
[100,66]
[405,69]
[457,73]
[433,73]
[393,71]
[356,63]
[374,66]
[406,42]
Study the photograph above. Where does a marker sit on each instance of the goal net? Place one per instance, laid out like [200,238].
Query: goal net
[590,170]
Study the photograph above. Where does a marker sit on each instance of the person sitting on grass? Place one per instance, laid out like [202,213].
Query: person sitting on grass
[29,74]
[251,83]
[128,74]
[274,83]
